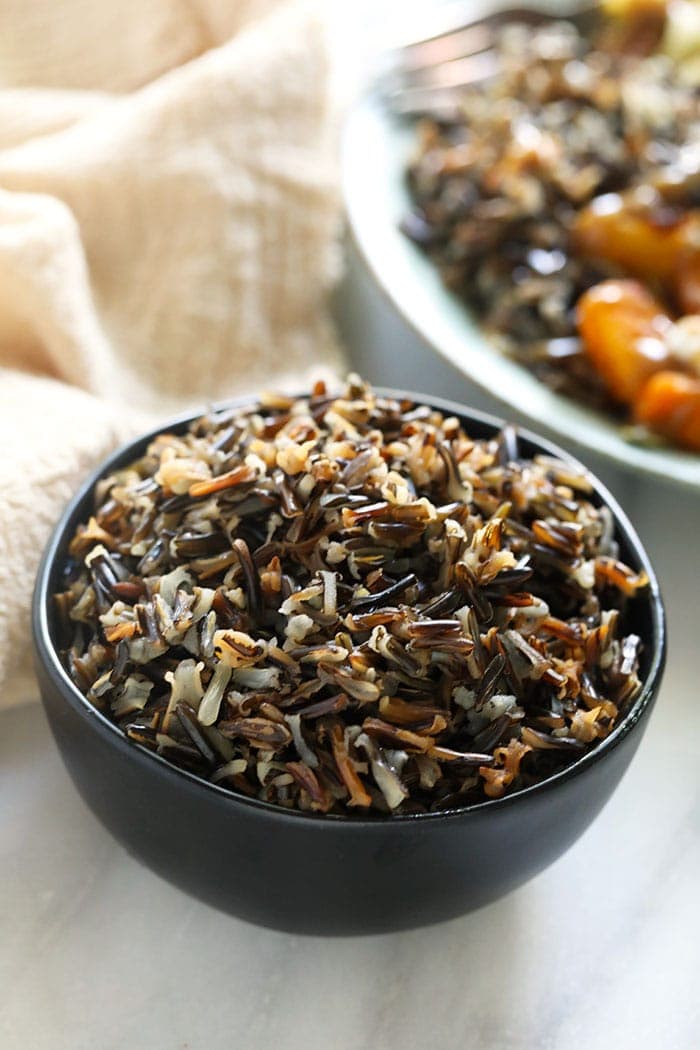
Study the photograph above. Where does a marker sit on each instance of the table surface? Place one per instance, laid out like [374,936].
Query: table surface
[602,950]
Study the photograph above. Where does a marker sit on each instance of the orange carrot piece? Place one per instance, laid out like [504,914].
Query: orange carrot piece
[669,403]
[688,286]
[623,327]
[629,235]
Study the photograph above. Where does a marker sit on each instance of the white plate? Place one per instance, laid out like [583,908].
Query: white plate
[376,148]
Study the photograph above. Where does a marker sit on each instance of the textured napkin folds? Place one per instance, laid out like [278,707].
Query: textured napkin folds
[167,218]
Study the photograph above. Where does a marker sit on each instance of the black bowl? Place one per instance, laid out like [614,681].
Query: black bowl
[331,874]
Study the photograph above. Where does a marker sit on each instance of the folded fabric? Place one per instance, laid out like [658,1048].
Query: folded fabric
[168,212]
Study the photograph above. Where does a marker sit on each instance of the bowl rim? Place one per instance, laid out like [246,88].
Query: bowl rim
[47,653]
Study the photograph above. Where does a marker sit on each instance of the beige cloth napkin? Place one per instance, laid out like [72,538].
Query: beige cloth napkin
[167,221]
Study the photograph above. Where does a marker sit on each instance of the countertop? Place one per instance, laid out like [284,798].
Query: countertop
[600,951]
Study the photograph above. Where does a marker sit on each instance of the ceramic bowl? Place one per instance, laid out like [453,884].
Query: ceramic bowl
[331,874]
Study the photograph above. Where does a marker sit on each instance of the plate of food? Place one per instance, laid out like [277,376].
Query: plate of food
[532,209]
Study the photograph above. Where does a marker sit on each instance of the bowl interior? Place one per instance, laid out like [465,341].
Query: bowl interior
[644,615]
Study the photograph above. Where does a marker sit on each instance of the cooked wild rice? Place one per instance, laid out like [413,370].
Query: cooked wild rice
[346,604]
[496,187]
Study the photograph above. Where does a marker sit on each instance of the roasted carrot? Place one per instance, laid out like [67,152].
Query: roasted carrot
[669,403]
[622,327]
[687,286]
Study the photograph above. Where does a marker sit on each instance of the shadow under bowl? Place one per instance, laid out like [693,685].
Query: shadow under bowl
[331,874]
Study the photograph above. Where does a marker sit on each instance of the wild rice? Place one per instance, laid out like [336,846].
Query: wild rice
[345,604]
[497,186]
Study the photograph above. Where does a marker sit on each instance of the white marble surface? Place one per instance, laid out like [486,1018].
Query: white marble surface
[600,951]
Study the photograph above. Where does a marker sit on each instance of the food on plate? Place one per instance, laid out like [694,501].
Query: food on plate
[347,604]
[647,363]
[575,165]
[641,234]
[624,331]
[670,403]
